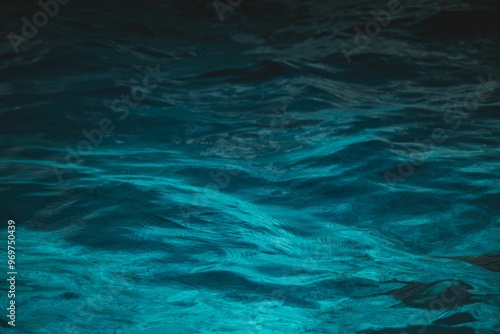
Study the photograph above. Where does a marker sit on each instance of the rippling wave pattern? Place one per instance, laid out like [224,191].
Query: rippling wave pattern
[250,167]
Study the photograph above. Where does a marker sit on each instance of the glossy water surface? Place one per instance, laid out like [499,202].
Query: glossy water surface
[264,182]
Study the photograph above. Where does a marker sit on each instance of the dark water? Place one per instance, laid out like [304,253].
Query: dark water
[277,171]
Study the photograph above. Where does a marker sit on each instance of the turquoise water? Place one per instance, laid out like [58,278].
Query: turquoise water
[172,172]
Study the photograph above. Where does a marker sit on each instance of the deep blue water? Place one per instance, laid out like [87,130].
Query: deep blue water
[272,172]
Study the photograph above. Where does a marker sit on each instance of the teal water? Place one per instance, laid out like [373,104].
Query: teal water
[169,172]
